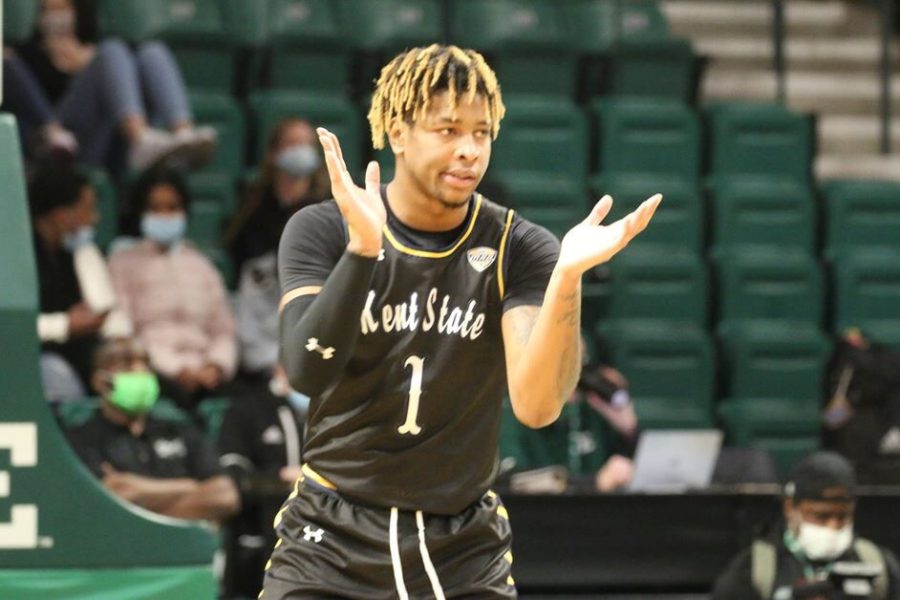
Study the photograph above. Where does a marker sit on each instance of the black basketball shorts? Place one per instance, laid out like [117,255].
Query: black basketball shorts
[329,547]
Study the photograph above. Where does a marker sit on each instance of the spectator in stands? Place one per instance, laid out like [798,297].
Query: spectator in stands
[292,176]
[175,296]
[798,556]
[67,81]
[861,416]
[259,445]
[77,302]
[595,436]
[164,466]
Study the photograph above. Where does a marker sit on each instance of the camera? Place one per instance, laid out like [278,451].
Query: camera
[591,381]
[847,581]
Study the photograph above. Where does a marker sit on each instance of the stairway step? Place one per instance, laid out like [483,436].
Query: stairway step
[689,17]
[844,166]
[743,52]
[853,134]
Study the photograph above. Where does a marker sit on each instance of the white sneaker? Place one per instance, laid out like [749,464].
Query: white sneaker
[202,141]
[152,149]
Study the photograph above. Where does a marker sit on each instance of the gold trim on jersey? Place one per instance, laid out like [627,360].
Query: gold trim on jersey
[427,254]
[308,471]
[295,293]
[500,282]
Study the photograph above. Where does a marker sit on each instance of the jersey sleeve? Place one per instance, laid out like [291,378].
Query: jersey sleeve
[311,245]
[533,252]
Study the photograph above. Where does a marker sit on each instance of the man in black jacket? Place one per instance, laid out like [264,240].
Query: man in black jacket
[800,560]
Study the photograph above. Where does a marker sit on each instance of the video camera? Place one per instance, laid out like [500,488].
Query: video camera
[591,381]
[847,581]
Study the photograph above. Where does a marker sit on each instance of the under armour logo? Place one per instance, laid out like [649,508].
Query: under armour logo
[312,344]
[381,255]
[310,535]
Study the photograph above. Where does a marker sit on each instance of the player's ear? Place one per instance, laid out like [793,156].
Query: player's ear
[397,135]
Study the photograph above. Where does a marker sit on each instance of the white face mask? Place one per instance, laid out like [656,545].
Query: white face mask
[824,543]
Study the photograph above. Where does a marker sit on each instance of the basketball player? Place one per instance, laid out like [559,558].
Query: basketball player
[406,309]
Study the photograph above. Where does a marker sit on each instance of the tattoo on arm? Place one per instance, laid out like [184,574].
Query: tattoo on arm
[569,365]
[571,310]
[524,326]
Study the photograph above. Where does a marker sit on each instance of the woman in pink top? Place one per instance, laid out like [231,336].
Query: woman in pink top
[175,296]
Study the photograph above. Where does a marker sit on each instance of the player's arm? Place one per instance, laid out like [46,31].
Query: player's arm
[319,325]
[541,343]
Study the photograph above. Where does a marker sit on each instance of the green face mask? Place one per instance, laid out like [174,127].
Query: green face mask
[134,392]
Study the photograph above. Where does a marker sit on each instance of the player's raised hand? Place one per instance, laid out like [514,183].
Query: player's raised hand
[361,208]
[589,243]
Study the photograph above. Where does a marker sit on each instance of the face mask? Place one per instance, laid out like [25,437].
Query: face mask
[301,160]
[824,543]
[82,236]
[57,22]
[134,393]
[164,230]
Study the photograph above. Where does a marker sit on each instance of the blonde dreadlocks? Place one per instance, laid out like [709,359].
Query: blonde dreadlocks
[408,83]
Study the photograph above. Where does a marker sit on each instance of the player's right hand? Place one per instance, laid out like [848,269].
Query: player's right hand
[363,209]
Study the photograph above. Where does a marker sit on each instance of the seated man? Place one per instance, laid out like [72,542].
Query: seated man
[163,466]
[77,302]
[260,445]
[796,559]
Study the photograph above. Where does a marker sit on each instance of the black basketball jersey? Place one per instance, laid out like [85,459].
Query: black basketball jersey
[414,420]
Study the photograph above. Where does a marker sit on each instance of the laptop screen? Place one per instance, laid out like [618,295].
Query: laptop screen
[675,460]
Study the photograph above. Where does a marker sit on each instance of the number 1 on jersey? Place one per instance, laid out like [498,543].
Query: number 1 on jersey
[417,363]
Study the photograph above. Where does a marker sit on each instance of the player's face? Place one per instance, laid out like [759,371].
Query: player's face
[446,152]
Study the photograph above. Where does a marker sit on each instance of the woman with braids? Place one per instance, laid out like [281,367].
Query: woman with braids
[406,309]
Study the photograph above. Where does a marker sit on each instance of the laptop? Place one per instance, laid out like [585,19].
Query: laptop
[675,460]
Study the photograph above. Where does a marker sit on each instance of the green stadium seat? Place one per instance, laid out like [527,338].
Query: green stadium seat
[861,215]
[867,294]
[540,156]
[332,111]
[655,68]
[388,26]
[678,224]
[787,429]
[594,303]
[222,112]
[310,46]
[629,50]
[528,43]
[132,20]
[773,359]
[770,284]
[107,207]
[665,285]
[646,136]
[197,32]
[670,370]
[379,29]
[18,20]
[557,220]
[760,211]
[247,22]
[766,140]
[206,223]
[214,188]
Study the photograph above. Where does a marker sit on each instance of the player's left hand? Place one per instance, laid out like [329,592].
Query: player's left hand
[589,243]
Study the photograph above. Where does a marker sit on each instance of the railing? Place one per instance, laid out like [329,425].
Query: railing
[888,13]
